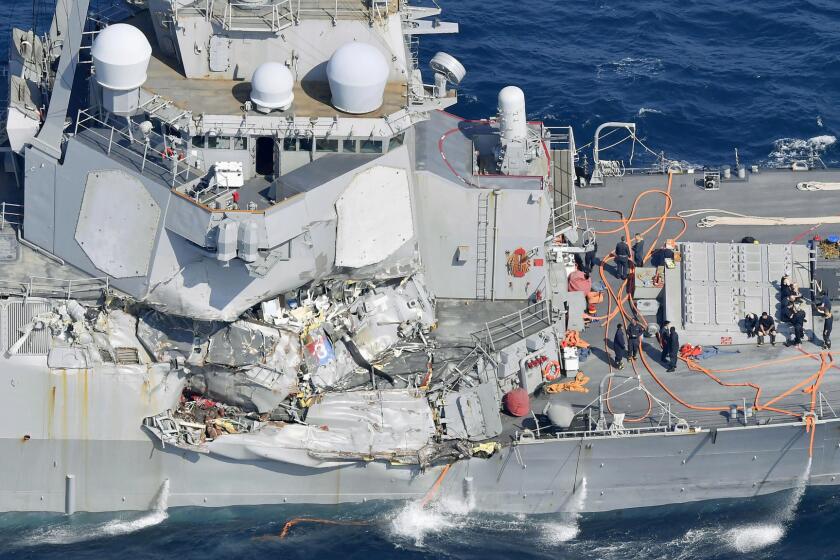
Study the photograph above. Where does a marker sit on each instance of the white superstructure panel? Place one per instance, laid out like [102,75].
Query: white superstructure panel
[374,217]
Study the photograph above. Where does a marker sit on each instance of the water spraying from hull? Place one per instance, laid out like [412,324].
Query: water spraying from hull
[70,533]
[748,538]
[560,532]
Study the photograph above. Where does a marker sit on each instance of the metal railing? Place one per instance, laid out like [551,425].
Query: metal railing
[277,16]
[668,419]
[336,9]
[269,15]
[153,145]
[59,287]
[563,217]
[44,286]
[562,138]
[10,215]
[503,331]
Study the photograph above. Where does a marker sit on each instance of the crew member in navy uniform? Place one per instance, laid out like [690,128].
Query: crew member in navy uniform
[828,324]
[589,257]
[751,325]
[766,327]
[673,348]
[664,339]
[634,334]
[622,258]
[619,346]
[825,303]
[798,322]
[638,250]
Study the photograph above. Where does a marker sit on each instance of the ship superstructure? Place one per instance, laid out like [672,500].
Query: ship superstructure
[248,254]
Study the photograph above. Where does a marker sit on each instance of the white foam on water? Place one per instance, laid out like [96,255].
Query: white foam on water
[558,533]
[749,538]
[562,532]
[752,537]
[415,522]
[648,111]
[633,68]
[786,150]
[81,533]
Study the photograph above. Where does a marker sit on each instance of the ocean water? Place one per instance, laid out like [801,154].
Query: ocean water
[700,78]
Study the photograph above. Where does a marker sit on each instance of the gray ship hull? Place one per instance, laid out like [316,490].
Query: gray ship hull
[568,475]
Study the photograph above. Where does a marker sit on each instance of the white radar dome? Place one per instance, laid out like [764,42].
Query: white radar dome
[121,55]
[272,87]
[512,122]
[357,73]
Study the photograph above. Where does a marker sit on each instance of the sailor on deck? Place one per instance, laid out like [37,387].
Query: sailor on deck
[619,346]
[751,325]
[589,257]
[664,339]
[766,327]
[798,322]
[638,250]
[828,324]
[634,334]
[673,348]
[622,258]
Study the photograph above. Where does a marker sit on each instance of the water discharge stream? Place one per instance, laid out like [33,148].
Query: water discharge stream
[70,533]
[748,538]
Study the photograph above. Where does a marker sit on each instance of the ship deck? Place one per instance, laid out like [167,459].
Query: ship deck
[212,96]
[774,370]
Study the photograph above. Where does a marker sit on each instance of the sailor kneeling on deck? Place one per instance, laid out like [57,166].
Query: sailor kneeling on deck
[766,327]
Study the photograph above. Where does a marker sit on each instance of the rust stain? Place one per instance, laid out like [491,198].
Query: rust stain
[50,412]
[64,411]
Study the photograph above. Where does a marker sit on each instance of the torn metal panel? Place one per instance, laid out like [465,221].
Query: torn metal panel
[342,427]
[255,388]
[377,421]
[244,343]
[167,336]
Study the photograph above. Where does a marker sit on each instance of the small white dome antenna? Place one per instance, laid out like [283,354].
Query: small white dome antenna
[447,68]
[272,87]
[357,73]
[121,55]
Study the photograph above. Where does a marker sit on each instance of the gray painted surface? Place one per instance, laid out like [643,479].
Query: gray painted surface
[80,442]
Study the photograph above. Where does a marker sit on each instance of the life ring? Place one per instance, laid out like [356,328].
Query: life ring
[551,371]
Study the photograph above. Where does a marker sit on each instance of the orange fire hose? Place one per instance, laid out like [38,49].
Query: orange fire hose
[619,300]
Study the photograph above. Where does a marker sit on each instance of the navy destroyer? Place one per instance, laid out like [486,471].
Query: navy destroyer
[248,256]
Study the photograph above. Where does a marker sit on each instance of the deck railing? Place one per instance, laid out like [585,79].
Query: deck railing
[147,149]
[44,286]
[563,217]
[270,15]
[503,331]
[10,215]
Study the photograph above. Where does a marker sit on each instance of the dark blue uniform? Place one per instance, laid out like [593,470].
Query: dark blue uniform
[665,339]
[639,252]
[673,348]
[622,259]
[828,324]
[634,334]
[619,347]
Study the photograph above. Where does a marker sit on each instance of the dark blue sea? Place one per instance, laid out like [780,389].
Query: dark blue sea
[700,78]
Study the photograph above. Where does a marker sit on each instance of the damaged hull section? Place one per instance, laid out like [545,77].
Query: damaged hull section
[565,475]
